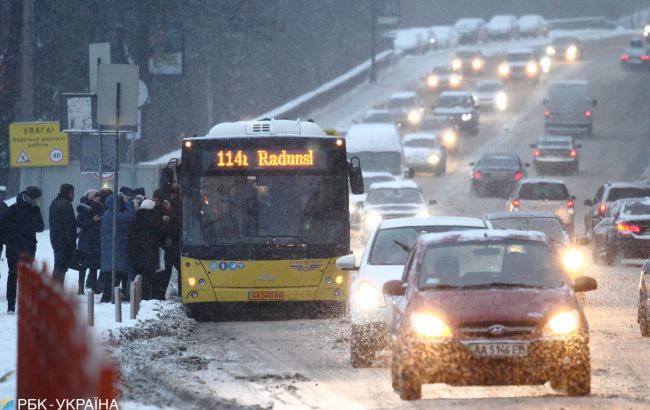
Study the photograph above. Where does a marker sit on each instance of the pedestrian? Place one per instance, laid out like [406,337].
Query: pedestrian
[171,232]
[144,245]
[89,217]
[21,222]
[3,209]
[123,208]
[63,232]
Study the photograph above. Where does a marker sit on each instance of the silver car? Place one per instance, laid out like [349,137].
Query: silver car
[569,108]
[544,194]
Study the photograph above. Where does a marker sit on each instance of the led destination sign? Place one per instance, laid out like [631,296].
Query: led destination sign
[267,159]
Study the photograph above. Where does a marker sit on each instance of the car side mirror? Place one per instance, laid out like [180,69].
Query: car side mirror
[533,145]
[432,202]
[355,176]
[526,164]
[408,173]
[588,202]
[347,262]
[394,288]
[583,284]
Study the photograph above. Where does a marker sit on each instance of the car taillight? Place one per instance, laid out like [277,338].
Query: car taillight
[587,114]
[625,57]
[602,209]
[537,153]
[570,204]
[645,57]
[573,153]
[547,113]
[476,175]
[516,203]
[623,227]
[519,175]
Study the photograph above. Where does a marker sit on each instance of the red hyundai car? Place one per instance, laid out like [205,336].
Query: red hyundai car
[488,308]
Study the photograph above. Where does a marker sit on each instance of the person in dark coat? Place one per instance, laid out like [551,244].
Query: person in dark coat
[3,209]
[63,232]
[144,245]
[171,232]
[21,223]
[89,217]
[123,215]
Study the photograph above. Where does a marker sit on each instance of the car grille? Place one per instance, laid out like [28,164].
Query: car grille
[497,330]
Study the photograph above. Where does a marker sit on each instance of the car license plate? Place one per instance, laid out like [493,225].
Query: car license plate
[266,295]
[498,349]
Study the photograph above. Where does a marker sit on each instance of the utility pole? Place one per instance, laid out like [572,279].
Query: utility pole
[26,107]
[373,40]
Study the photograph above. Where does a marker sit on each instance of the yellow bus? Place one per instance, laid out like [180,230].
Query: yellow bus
[265,215]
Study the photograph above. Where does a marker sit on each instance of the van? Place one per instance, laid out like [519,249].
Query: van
[378,147]
[569,108]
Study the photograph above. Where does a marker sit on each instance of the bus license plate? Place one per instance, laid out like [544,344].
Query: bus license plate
[498,349]
[266,295]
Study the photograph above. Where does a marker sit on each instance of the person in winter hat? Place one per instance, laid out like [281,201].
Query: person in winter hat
[89,222]
[21,222]
[123,215]
[63,232]
[144,245]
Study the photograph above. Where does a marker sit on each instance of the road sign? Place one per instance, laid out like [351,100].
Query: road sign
[37,144]
[112,77]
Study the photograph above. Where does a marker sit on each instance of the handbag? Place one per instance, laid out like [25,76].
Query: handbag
[77,260]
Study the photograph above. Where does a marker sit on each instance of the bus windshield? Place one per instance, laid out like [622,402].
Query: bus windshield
[266,209]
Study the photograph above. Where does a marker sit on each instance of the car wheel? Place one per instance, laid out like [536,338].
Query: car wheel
[410,384]
[361,354]
[577,377]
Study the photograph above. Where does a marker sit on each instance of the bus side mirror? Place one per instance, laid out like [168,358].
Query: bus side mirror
[355,176]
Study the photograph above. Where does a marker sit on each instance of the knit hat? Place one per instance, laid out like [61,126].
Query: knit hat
[33,192]
[147,204]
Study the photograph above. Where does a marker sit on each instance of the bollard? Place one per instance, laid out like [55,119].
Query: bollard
[132,302]
[118,304]
[91,308]
[138,291]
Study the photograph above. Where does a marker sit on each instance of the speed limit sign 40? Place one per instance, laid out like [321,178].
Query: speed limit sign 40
[56,155]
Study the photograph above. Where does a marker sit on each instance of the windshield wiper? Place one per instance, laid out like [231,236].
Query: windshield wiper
[502,285]
[402,246]
[443,286]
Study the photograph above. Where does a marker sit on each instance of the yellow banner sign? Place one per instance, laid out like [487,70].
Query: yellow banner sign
[37,144]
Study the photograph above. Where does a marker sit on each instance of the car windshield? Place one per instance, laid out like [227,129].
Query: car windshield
[402,102]
[543,191]
[368,181]
[421,143]
[552,227]
[567,93]
[388,247]
[488,87]
[454,101]
[621,193]
[564,143]
[497,264]
[380,117]
[382,196]
[636,208]
[514,57]
[637,44]
[498,162]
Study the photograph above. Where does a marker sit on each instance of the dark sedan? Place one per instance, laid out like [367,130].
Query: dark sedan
[635,55]
[555,153]
[488,308]
[567,49]
[624,232]
[469,61]
[496,172]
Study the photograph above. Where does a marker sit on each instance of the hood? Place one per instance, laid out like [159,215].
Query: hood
[390,208]
[452,110]
[488,306]
[419,152]
[485,94]
[377,275]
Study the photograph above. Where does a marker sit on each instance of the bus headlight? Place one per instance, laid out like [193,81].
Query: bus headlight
[531,69]
[373,219]
[504,70]
[571,53]
[562,324]
[572,260]
[434,158]
[646,30]
[432,81]
[414,117]
[427,324]
[191,281]
[545,63]
[550,50]
[456,64]
[454,80]
[477,64]
[501,101]
[369,297]
[449,138]
[466,117]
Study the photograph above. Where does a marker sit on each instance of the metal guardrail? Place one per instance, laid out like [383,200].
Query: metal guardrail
[583,23]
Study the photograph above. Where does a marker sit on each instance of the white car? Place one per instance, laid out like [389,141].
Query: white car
[357,200]
[503,27]
[446,36]
[544,194]
[414,40]
[423,152]
[491,94]
[532,25]
[383,260]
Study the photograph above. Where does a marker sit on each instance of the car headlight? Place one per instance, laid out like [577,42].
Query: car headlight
[432,81]
[466,117]
[504,69]
[571,53]
[354,207]
[414,117]
[369,297]
[531,68]
[545,63]
[550,50]
[423,214]
[454,80]
[477,64]
[449,138]
[433,159]
[373,219]
[456,64]
[428,325]
[572,259]
[563,324]
[501,101]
